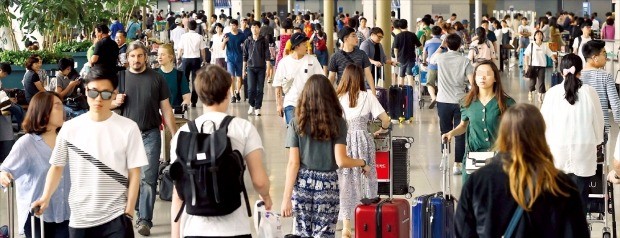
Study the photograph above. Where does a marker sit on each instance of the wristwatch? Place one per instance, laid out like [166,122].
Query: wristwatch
[364,163]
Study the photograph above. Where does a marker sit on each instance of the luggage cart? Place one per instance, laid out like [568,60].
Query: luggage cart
[420,80]
[600,202]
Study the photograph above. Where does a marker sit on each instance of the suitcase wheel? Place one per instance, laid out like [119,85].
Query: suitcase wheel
[411,190]
[401,119]
[421,103]
[407,145]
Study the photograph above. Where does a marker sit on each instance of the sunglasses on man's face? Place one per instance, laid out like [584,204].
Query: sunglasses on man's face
[105,95]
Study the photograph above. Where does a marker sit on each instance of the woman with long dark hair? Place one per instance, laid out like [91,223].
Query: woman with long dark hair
[572,112]
[521,176]
[317,138]
[482,109]
[359,107]
[28,162]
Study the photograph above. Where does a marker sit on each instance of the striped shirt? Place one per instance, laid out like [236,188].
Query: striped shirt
[99,155]
[605,87]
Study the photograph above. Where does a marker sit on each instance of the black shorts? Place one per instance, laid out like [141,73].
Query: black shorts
[406,68]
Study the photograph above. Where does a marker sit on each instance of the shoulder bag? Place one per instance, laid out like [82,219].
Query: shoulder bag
[530,73]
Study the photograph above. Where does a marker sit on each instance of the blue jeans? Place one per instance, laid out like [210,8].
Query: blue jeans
[71,113]
[450,118]
[289,114]
[148,176]
[256,83]
[17,114]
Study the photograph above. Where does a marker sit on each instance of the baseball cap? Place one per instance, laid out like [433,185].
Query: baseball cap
[344,32]
[297,39]
[465,21]
[177,21]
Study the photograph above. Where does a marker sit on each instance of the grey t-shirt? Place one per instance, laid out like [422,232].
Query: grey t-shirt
[316,155]
[339,61]
[452,71]
[144,92]
[63,82]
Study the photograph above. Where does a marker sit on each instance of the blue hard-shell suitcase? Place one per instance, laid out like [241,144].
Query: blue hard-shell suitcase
[408,107]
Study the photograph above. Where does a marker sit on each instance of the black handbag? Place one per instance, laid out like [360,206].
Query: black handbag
[530,73]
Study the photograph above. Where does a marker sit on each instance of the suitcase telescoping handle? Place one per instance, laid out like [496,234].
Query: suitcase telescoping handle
[10,191]
[33,223]
[445,155]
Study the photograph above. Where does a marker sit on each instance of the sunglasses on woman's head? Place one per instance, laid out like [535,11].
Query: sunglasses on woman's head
[105,95]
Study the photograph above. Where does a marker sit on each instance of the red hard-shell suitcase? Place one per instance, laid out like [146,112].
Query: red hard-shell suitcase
[393,219]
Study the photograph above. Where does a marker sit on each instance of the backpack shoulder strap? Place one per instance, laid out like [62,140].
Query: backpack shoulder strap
[578,44]
[226,121]
[192,126]
[121,82]
[179,80]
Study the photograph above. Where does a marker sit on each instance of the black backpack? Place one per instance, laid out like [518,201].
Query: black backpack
[208,186]
[506,38]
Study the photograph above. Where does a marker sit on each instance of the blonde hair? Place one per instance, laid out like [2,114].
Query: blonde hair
[530,165]
[167,47]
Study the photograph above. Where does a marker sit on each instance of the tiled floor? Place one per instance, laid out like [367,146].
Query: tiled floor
[424,154]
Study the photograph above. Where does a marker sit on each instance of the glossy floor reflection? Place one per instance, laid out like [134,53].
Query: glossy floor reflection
[424,154]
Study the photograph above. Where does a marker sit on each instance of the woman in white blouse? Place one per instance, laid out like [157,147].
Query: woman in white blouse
[575,125]
[535,56]
[218,54]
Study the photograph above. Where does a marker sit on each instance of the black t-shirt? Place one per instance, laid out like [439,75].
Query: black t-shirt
[107,50]
[340,60]
[30,89]
[171,23]
[406,42]
[377,53]
[144,92]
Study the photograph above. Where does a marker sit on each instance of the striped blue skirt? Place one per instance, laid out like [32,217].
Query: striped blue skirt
[316,203]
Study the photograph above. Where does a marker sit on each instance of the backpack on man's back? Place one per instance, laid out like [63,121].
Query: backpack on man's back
[426,36]
[208,173]
[483,51]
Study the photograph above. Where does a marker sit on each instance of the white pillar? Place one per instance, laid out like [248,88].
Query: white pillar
[290,5]
[617,20]
[406,12]
[478,13]
[368,8]
[207,6]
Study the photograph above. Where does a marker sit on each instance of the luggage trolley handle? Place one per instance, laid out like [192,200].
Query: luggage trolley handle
[34,211]
[10,191]
[445,154]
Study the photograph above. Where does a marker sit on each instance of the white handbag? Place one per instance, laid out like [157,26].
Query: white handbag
[476,160]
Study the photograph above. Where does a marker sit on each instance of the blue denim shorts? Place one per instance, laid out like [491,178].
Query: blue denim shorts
[235,68]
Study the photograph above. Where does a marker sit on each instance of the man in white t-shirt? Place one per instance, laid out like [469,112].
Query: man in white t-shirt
[176,33]
[586,28]
[291,76]
[105,164]
[213,87]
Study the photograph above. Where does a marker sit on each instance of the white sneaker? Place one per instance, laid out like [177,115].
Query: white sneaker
[251,110]
[456,170]
[257,112]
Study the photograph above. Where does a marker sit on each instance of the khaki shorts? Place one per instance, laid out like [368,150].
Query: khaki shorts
[431,78]
[180,122]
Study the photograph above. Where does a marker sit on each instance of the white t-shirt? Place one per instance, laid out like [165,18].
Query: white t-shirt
[191,43]
[100,155]
[539,51]
[243,137]
[175,36]
[218,51]
[596,25]
[579,47]
[299,70]
[523,28]
[366,103]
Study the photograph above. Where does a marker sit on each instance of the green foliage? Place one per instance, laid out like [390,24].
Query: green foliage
[19,57]
[72,46]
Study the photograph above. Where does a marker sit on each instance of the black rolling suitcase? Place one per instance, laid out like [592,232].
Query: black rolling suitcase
[400,176]
[396,101]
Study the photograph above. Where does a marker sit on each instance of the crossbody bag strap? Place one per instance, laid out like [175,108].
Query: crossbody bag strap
[531,53]
[516,217]
[179,80]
